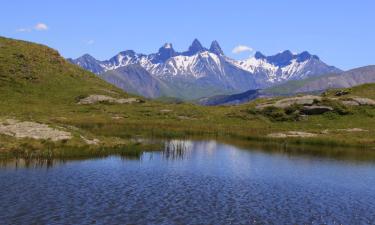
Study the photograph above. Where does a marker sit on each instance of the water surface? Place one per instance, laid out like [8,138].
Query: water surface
[191,182]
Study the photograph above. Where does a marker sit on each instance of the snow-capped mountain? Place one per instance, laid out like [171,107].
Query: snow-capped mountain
[200,72]
[284,66]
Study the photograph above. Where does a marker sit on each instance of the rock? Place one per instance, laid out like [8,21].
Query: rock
[93,99]
[316,110]
[342,92]
[33,130]
[284,103]
[364,101]
[350,103]
[165,110]
[353,130]
[90,141]
[291,134]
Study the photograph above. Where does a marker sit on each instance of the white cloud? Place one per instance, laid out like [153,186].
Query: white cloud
[37,27]
[23,30]
[90,42]
[242,48]
[41,26]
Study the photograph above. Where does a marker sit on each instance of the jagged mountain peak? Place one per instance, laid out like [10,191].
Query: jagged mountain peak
[164,53]
[281,59]
[303,56]
[87,57]
[168,46]
[195,48]
[259,55]
[286,57]
[129,53]
[215,48]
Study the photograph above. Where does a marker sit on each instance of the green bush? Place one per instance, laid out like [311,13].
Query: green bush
[275,114]
[337,106]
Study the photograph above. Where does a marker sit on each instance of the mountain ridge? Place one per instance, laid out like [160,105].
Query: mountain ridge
[210,68]
[312,85]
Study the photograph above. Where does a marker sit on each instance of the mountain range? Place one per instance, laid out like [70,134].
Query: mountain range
[201,72]
[311,85]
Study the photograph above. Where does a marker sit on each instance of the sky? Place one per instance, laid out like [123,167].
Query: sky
[340,32]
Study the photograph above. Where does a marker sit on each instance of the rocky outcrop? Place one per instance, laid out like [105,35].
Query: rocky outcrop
[93,99]
[306,100]
[291,134]
[33,130]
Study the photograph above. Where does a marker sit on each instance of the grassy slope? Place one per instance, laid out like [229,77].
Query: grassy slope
[37,84]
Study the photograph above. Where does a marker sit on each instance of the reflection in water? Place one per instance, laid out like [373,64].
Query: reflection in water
[30,163]
[177,149]
[189,182]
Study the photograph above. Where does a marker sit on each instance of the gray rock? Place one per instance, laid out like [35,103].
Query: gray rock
[306,100]
[364,101]
[350,103]
[33,130]
[93,99]
[291,134]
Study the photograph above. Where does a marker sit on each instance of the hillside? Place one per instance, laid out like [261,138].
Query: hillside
[36,78]
[49,107]
[347,79]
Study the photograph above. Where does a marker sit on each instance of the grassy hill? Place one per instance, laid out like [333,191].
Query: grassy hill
[35,78]
[38,85]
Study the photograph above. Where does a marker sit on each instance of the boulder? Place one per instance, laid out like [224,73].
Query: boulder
[364,101]
[286,102]
[342,92]
[350,103]
[93,99]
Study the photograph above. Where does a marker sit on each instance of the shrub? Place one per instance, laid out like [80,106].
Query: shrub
[275,114]
[337,106]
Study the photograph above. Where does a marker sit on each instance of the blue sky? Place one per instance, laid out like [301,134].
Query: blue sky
[341,32]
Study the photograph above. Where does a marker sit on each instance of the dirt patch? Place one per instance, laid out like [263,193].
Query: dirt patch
[33,130]
[93,99]
[291,134]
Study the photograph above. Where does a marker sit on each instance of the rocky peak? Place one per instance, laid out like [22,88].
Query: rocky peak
[281,59]
[215,48]
[305,56]
[259,55]
[195,48]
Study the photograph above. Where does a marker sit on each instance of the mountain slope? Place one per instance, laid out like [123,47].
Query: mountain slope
[230,99]
[135,79]
[315,84]
[37,78]
[347,79]
[201,72]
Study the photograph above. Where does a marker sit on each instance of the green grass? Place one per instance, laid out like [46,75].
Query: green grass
[36,84]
